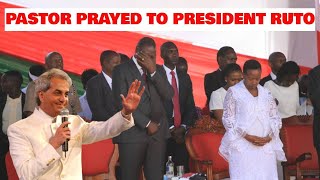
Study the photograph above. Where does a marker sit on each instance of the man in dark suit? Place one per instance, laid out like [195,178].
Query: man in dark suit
[144,144]
[99,88]
[275,61]
[314,93]
[181,108]
[100,97]
[11,110]
[215,80]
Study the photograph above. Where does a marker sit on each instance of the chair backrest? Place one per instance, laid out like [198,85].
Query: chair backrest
[207,124]
[11,170]
[96,157]
[205,146]
[203,141]
[297,137]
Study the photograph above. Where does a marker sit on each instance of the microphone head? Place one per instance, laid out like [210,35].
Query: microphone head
[64,112]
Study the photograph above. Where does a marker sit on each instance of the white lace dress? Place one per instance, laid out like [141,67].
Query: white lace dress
[244,114]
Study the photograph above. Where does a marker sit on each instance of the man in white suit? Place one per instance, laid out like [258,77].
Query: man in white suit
[35,142]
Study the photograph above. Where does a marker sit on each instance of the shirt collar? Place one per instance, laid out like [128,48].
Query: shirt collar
[84,95]
[273,76]
[137,64]
[11,99]
[108,78]
[168,71]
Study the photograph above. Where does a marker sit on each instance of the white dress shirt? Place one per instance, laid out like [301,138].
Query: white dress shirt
[169,76]
[108,79]
[86,111]
[273,76]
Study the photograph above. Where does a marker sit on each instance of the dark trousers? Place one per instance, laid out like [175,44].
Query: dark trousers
[149,155]
[318,152]
[179,153]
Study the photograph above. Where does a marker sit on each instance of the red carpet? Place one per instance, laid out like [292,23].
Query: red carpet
[81,50]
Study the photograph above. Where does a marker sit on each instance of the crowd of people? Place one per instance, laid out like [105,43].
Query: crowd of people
[147,109]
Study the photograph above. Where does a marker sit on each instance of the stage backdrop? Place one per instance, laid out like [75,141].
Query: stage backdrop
[81,50]
[297,46]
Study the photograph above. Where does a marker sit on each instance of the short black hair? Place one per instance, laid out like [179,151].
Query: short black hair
[107,55]
[275,55]
[182,64]
[230,68]
[36,70]
[223,51]
[251,64]
[287,69]
[145,41]
[15,74]
[167,45]
[87,75]
[183,60]
[123,58]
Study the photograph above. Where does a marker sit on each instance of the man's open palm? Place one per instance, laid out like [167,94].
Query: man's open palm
[131,102]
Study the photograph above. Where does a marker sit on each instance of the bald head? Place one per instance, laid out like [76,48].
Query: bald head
[54,60]
[276,59]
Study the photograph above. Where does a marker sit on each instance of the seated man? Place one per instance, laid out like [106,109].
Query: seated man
[35,142]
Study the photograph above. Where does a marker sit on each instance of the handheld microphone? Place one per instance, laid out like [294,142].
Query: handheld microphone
[64,117]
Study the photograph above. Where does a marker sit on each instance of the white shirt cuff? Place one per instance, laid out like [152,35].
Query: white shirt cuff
[148,124]
[152,76]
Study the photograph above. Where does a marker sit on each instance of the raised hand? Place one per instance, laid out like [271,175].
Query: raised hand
[131,102]
[146,61]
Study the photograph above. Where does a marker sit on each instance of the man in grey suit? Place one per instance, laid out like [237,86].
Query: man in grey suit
[145,144]
[314,93]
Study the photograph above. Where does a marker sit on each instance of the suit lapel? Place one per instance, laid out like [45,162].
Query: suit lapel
[162,72]
[181,86]
[135,72]
[104,83]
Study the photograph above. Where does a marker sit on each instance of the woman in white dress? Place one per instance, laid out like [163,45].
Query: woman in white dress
[232,74]
[251,143]
[285,89]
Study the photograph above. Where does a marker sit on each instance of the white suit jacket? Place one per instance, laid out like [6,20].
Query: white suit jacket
[33,156]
